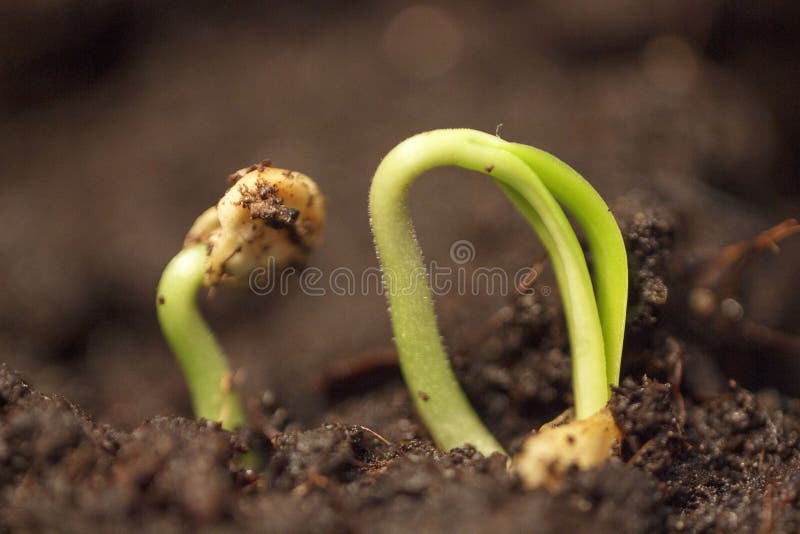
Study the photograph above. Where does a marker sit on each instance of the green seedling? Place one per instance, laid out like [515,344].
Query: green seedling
[538,184]
[268,217]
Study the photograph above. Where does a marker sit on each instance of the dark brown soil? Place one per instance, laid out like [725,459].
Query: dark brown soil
[691,460]
[61,472]
[730,464]
[118,125]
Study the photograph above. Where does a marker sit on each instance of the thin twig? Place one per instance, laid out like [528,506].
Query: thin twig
[381,438]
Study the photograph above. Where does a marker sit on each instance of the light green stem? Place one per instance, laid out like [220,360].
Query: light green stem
[439,399]
[202,360]
[610,272]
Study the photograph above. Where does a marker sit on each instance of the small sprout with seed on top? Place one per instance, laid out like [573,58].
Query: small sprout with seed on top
[267,215]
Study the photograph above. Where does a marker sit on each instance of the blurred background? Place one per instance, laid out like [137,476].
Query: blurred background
[119,121]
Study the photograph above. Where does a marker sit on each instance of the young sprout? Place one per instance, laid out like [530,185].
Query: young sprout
[535,182]
[268,217]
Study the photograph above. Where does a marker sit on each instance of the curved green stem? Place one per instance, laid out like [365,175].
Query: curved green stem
[438,397]
[610,260]
[201,358]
